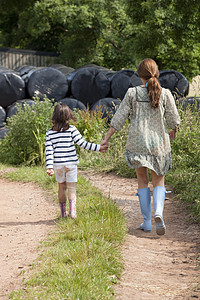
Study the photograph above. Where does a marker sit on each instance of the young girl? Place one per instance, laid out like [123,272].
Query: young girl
[61,155]
[148,142]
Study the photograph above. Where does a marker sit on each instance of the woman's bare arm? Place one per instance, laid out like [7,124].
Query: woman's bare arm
[111,131]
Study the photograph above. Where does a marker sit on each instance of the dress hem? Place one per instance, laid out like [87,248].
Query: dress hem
[159,164]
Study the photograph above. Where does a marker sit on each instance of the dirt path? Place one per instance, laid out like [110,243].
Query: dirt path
[155,267]
[26,217]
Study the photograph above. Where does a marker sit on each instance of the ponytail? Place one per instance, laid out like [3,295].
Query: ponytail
[148,70]
[154,91]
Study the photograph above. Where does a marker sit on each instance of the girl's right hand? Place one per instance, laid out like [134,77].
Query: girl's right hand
[50,172]
[104,147]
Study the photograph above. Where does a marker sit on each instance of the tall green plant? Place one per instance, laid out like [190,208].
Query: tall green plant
[25,142]
[90,124]
[113,160]
[185,176]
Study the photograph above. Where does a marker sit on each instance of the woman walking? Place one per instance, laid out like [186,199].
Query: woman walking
[151,109]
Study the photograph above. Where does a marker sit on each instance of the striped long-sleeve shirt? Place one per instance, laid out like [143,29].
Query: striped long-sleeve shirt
[60,149]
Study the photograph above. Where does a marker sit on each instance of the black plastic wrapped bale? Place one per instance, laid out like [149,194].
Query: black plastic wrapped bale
[12,88]
[25,72]
[191,102]
[107,72]
[68,72]
[176,82]
[47,81]
[24,69]
[135,80]
[2,116]
[3,132]
[70,77]
[92,66]
[74,104]
[107,106]
[62,68]
[120,83]
[4,69]
[89,85]
[13,108]
[71,74]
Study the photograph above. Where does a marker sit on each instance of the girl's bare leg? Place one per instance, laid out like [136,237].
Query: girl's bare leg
[71,187]
[62,192]
[62,198]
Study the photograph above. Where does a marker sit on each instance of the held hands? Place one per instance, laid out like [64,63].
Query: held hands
[104,146]
[50,172]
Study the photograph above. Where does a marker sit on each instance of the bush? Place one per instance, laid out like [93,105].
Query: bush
[25,142]
[91,125]
[185,176]
[113,160]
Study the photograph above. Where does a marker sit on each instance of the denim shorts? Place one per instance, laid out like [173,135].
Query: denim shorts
[65,173]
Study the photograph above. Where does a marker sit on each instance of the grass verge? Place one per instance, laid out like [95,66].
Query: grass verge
[185,176]
[82,259]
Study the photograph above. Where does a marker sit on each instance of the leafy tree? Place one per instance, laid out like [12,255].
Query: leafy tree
[9,17]
[112,33]
[82,31]
[168,31]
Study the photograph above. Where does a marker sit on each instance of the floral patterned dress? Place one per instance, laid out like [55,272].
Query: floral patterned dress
[148,143]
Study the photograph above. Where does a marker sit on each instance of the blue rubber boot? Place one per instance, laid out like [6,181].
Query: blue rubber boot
[145,205]
[158,203]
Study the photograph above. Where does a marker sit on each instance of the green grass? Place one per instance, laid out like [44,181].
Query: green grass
[82,259]
[185,176]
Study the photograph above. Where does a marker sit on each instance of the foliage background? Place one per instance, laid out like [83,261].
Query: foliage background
[115,34]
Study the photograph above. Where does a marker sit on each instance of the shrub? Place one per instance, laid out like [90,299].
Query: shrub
[25,142]
[113,160]
[91,124]
[185,176]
